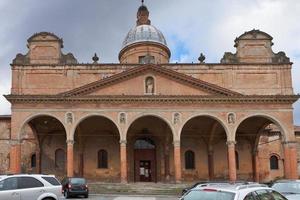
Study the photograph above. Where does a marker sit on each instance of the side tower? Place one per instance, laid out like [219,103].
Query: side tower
[144,43]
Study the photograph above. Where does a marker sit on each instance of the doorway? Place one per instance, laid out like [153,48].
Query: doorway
[144,160]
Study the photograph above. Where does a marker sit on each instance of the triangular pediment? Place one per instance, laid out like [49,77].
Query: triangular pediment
[134,82]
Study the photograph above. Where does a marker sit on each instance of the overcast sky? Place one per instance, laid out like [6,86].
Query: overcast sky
[190,27]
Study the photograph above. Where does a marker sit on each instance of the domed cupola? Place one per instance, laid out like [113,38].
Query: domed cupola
[144,43]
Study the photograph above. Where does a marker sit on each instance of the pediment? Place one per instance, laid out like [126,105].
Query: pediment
[163,82]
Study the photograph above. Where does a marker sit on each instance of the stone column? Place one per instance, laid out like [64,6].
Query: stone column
[177,161]
[211,164]
[287,161]
[15,157]
[255,165]
[70,158]
[123,161]
[231,161]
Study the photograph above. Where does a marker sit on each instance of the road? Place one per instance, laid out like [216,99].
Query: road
[126,197]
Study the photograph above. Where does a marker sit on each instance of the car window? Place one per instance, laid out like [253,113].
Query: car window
[209,195]
[9,184]
[79,181]
[51,180]
[29,182]
[264,195]
[249,197]
[277,196]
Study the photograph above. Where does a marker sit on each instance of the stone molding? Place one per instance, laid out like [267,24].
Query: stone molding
[186,99]
[176,143]
[123,142]
[70,142]
[231,143]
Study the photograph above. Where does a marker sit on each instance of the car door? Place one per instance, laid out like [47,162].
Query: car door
[9,189]
[30,188]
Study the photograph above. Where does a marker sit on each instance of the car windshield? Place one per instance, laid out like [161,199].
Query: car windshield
[209,195]
[78,181]
[289,187]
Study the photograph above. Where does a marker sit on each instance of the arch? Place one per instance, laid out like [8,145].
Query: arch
[102,159]
[222,123]
[134,119]
[94,115]
[274,162]
[34,116]
[189,158]
[273,119]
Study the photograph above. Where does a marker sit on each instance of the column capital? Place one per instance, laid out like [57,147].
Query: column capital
[231,143]
[176,143]
[14,142]
[70,142]
[289,143]
[123,142]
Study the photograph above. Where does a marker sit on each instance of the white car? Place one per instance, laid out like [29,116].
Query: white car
[239,191]
[30,186]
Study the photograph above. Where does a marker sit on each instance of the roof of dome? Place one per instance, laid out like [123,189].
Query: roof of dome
[144,33]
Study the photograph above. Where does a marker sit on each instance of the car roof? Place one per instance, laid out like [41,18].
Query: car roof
[287,181]
[232,187]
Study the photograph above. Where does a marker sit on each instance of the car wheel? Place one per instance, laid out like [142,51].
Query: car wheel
[86,196]
[66,194]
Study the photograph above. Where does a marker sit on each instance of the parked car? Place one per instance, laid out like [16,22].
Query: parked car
[29,186]
[237,191]
[206,183]
[73,186]
[289,188]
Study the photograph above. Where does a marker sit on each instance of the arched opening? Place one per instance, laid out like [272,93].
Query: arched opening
[206,138]
[97,149]
[274,162]
[255,137]
[41,136]
[150,150]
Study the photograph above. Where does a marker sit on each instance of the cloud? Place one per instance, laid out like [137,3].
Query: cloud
[190,27]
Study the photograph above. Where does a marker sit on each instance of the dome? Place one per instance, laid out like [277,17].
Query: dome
[144,33]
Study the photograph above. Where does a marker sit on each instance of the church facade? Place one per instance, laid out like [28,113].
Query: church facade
[147,120]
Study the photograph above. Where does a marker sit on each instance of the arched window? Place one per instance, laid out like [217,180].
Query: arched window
[237,160]
[189,159]
[33,160]
[274,162]
[102,159]
[60,158]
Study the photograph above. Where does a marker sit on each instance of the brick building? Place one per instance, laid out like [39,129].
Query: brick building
[145,119]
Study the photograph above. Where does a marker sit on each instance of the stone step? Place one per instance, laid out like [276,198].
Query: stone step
[137,188]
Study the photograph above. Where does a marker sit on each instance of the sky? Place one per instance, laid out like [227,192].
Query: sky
[189,26]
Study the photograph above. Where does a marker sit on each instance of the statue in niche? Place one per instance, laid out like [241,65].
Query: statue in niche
[231,118]
[149,85]
[122,118]
[69,118]
[176,118]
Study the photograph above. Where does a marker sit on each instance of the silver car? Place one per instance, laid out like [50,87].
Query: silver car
[29,186]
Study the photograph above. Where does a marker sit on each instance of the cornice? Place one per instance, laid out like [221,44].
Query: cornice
[132,99]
